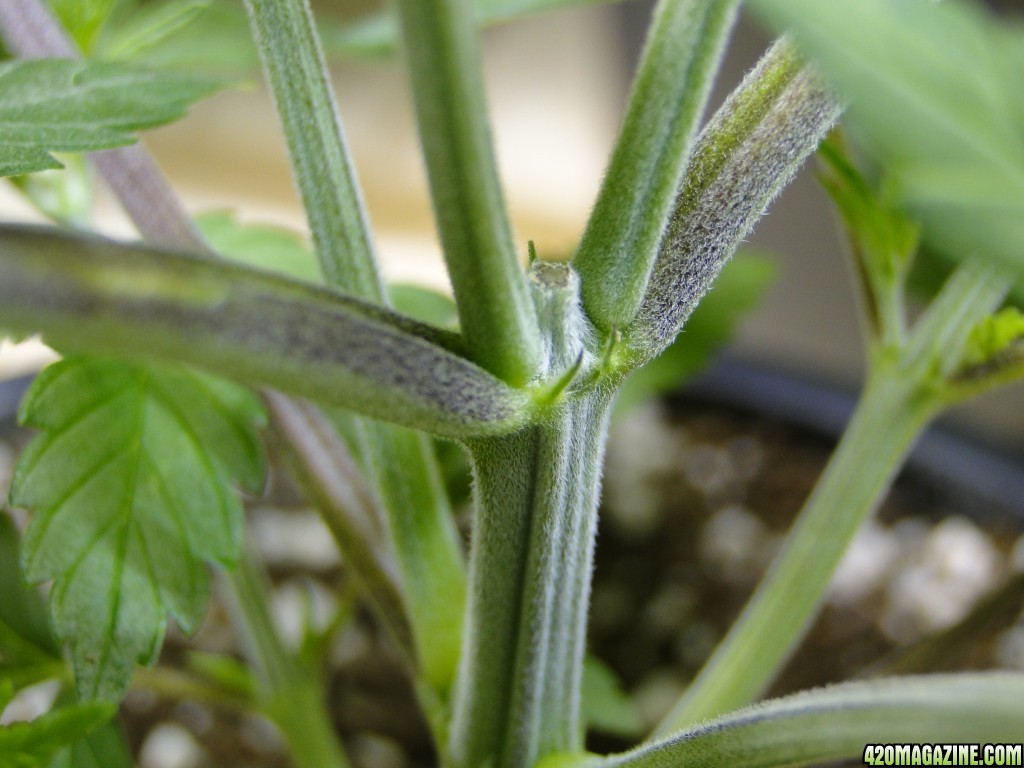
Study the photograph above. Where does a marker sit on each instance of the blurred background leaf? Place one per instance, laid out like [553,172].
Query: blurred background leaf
[83,19]
[29,652]
[212,36]
[259,245]
[606,706]
[936,100]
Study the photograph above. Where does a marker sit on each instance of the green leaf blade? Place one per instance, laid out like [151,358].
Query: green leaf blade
[129,503]
[49,105]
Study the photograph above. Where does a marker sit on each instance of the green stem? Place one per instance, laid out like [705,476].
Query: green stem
[293,696]
[517,697]
[179,685]
[331,480]
[747,153]
[974,291]
[837,723]
[490,288]
[877,438]
[401,465]
[295,68]
[430,570]
[902,394]
[684,44]
[544,710]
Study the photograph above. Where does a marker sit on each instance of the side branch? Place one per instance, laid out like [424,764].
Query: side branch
[94,295]
[490,287]
[836,723]
[745,156]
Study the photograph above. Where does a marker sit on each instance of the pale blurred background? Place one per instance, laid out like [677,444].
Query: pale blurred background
[557,85]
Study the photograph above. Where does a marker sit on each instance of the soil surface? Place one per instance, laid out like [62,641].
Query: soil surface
[695,501]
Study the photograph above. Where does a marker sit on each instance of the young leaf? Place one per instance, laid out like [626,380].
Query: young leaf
[993,355]
[50,105]
[883,241]
[130,485]
[994,336]
[24,745]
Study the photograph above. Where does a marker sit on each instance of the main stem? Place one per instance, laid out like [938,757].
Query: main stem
[518,690]
[517,696]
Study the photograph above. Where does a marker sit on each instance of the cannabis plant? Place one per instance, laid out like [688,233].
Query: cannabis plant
[175,359]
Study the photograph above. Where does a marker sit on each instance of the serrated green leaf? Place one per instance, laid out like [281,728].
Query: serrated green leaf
[129,483]
[936,98]
[883,243]
[50,105]
[886,236]
[32,744]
